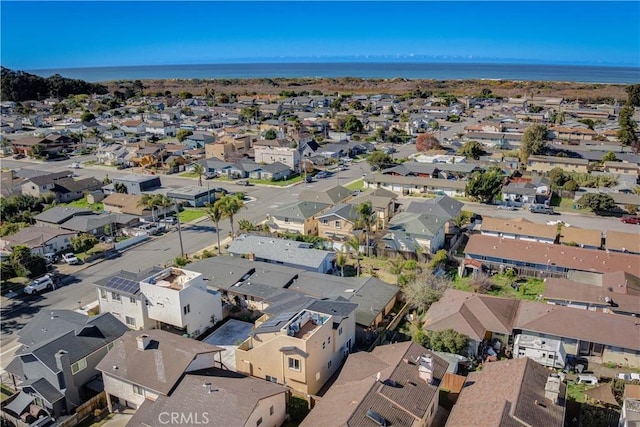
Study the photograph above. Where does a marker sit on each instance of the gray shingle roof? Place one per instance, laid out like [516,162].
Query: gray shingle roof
[299,211]
[44,389]
[60,214]
[331,196]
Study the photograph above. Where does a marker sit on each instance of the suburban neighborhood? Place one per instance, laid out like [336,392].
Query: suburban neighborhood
[320,259]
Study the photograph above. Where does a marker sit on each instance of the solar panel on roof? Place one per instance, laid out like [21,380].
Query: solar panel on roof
[125,285]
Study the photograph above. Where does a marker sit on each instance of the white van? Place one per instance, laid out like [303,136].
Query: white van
[587,379]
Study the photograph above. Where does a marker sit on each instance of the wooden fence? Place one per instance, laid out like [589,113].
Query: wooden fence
[85,410]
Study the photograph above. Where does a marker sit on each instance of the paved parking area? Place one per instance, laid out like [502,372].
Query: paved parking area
[227,337]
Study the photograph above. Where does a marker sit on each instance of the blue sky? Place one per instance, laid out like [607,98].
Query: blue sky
[38,35]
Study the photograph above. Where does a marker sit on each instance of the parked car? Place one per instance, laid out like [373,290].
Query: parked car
[170,220]
[18,156]
[507,208]
[321,175]
[75,165]
[541,209]
[244,182]
[587,379]
[220,190]
[70,259]
[630,219]
[210,175]
[40,284]
[50,258]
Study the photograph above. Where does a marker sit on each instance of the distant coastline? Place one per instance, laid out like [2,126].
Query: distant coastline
[364,70]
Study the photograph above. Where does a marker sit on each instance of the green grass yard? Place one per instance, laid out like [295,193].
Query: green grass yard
[356,185]
[82,203]
[529,289]
[191,214]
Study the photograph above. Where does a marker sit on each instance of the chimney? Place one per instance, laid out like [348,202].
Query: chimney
[143,341]
[252,256]
[425,368]
[65,382]
[552,388]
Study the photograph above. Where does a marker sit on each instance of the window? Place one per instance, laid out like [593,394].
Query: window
[78,366]
[130,321]
[133,300]
[110,345]
[186,309]
[271,379]
[329,364]
[329,340]
[115,296]
[340,331]
[103,294]
[259,421]
[325,222]
[271,410]
[294,364]
[323,345]
[138,390]
[286,220]
[338,225]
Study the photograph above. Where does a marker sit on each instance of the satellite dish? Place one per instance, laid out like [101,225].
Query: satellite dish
[378,377]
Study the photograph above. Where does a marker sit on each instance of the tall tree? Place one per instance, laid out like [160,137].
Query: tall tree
[149,201]
[485,185]
[230,206]
[198,169]
[426,142]
[353,243]
[379,160]
[633,92]
[165,203]
[366,219]
[471,150]
[215,214]
[627,127]
[533,142]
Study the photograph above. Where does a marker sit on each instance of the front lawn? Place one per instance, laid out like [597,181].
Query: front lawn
[569,205]
[527,288]
[191,214]
[356,185]
[284,183]
[189,175]
[575,392]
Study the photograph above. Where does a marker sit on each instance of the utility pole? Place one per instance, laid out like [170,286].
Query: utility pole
[175,201]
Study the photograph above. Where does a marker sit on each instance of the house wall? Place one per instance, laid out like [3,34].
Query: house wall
[31,189]
[537,166]
[345,227]
[87,374]
[434,244]
[202,361]
[620,356]
[261,361]
[285,155]
[123,308]
[56,244]
[262,410]
[124,391]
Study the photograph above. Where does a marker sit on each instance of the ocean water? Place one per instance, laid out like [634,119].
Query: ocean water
[382,70]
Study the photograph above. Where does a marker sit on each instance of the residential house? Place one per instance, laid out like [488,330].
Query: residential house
[192,196]
[60,351]
[630,414]
[112,155]
[9,183]
[281,251]
[298,217]
[230,148]
[39,185]
[150,155]
[610,293]
[619,241]
[97,224]
[130,204]
[227,399]
[161,129]
[520,193]
[411,234]
[517,392]
[443,207]
[383,202]
[622,168]
[331,196]
[147,365]
[582,237]
[57,215]
[136,127]
[271,172]
[624,200]
[68,189]
[170,298]
[543,259]
[137,184]
[282,151]
[198,140]
[300,349]
[572,133]
[519,229]
[396,384]
[41,240]
[338,222]
[259,285]
[415,185]
[25,145]
[605,337]
[547,163]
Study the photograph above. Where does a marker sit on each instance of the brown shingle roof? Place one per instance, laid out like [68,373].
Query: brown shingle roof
[356,390]
[158,367]
[620,241]
[504,394]
[568,257]
[521,228]
[581,236]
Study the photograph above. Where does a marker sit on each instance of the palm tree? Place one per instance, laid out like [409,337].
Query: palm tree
[230,206]
[163,202]
[341,261]
[149,201]
[198,169]
[354,244]
[215,213]
[365,219]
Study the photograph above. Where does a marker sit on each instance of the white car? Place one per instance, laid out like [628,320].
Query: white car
[75,165]
[70,259]
[38,285]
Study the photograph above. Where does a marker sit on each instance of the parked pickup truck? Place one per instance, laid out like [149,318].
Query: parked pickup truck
[70,259]
[541,209]
[40,284]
